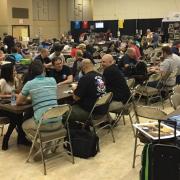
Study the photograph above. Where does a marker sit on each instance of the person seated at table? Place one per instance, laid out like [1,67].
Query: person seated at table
[127,62]
[115,83]
[77,65]
[43,57]
[41,101]
[74,50]
[16,55]
[2,56]
[7,85]
[176,48]
[149,36]
[57,52]
[167,66]
[132,44]
[2,47]
[89,88]
[18,47]
[61,73]
[86,53]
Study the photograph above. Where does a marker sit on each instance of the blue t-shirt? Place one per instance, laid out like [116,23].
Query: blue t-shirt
[43,91]
[17,56]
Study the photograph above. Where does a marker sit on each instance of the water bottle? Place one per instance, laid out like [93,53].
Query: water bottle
[13,98]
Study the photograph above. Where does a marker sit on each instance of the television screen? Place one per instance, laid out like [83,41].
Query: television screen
[99,25]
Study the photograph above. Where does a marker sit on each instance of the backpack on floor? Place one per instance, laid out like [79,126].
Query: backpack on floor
[85,143]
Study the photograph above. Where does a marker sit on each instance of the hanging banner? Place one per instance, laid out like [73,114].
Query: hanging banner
[121,23]
[77,25]
[85,25]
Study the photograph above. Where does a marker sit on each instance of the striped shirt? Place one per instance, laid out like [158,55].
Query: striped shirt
[43,91]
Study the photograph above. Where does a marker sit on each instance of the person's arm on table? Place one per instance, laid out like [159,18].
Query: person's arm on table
[68,80]
[22,98]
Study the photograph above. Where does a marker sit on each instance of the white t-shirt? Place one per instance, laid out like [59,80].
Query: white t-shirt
[53,55]
[5,88]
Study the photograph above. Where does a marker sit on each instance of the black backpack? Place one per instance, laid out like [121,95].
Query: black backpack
[85,143]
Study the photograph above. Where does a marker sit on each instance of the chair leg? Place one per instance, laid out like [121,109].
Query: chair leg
[140,95]
[135,148]
[32,147]
[118,117]
[94,129]
[124,122]
[72,155]
[2,129]
[162,101]
[42,155]
[112,133]
[132,124]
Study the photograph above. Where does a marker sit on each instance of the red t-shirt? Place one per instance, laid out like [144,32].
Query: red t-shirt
[73,52]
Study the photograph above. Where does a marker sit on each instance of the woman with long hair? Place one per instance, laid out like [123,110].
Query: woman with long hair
[8,83]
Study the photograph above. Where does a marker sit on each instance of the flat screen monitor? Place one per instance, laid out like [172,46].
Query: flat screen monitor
[99,25]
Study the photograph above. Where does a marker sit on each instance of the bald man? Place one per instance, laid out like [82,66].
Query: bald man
[89,88]
[115,83]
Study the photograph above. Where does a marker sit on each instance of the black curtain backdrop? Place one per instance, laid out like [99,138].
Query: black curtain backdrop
[130,26]
[108,25]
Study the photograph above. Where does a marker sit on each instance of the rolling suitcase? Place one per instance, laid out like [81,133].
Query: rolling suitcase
[161,161]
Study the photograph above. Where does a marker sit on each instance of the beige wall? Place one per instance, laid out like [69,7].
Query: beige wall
[3,17]
[64,16]
[80,10]
[68,11]
[44,29]
[133,9]
[46,26]
[15,21]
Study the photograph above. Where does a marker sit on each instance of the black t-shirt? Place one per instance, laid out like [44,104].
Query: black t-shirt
[89,88]
[45,60]
[62,75]
[116,84]
[175,50]
[127,60]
